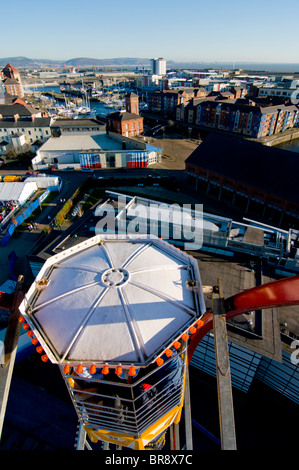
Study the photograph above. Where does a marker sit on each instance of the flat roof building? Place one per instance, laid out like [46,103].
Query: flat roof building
[95,151]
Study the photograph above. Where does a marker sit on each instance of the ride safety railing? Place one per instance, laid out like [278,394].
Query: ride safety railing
[126,404]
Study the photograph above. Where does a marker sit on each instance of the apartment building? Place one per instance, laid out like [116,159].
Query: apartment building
[241,116]
[166,101]
[158,66]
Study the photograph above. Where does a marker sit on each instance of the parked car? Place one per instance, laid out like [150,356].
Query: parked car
[90,170]
[68,168]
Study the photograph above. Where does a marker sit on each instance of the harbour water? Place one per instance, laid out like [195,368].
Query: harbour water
[97,106]
[100,109]
[293,146]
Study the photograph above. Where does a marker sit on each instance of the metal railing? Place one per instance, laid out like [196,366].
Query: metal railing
[115,405]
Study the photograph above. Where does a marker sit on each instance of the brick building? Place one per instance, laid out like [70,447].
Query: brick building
[127,123]
[166,101]
[240,116]
[12,81]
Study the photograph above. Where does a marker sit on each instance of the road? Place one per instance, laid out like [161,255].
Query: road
[22,243]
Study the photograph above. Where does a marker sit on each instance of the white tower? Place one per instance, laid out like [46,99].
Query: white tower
[158,66]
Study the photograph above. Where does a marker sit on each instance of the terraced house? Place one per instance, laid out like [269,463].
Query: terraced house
[22,128]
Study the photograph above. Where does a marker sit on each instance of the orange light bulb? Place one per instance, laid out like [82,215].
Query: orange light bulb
[132,371]
[66,369]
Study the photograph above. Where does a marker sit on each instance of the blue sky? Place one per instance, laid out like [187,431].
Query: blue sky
[194,30]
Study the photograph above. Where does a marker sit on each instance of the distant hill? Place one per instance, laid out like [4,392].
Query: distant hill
[16,61]
[76,62]
[120,62]
[25,62]
[144,62]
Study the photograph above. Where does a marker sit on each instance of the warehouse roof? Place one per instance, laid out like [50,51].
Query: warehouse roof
[81,142]
[266,168]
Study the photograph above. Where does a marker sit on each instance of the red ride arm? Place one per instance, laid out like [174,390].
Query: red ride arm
[280,293]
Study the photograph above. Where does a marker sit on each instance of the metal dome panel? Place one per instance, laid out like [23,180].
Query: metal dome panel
[113,300]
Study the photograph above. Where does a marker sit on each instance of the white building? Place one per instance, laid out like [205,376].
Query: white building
[158,66]
[21,126]
[18,192]
[95,151]
[281,91]
[21,135]
[44,182]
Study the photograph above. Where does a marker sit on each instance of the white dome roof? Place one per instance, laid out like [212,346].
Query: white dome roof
[113,300]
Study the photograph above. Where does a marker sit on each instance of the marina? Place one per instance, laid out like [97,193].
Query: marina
[76,102]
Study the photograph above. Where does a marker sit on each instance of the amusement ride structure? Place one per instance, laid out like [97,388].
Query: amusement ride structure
[121,316]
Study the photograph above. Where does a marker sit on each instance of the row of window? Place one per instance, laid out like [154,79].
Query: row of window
[23,130]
